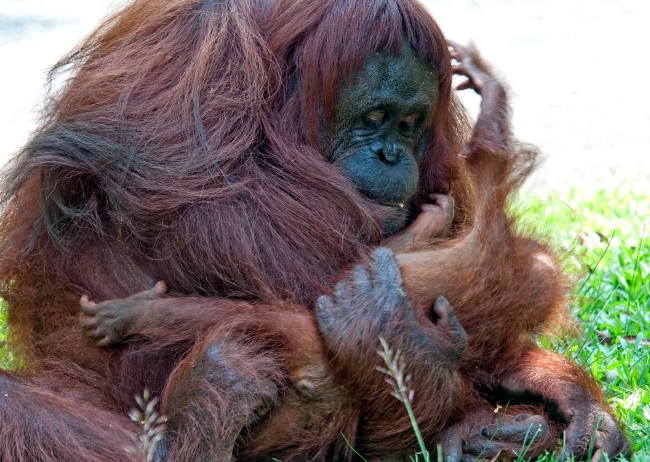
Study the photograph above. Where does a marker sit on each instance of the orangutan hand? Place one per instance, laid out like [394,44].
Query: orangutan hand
[109,322]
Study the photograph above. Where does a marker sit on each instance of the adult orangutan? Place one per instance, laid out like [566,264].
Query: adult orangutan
[221,147]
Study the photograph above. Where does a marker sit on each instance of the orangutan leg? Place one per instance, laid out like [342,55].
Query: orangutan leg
[571,397]
[38,425]
[221,388]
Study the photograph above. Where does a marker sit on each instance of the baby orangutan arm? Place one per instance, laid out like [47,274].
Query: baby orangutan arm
[233,371]
[109,322]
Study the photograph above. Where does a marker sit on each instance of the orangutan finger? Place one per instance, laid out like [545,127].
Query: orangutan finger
[160,288]
[598,447]
[466,85]
[613,440]
[343,293]
[452,445]
[96,333]
[362,279]
[444,201]
[385,267]
[459,69]
[520,430]
[325,314]
[87,306]
[448,320]
[458,50]
[105,341]
[87,322]
[444,312]
[483,449]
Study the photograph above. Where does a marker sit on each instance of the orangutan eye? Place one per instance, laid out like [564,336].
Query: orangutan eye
[375,117]
[408,123]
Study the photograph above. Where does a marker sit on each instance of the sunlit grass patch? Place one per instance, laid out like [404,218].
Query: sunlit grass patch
[607,239]
[4,354]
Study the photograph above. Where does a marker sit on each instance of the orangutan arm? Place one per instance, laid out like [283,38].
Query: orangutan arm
[370,304]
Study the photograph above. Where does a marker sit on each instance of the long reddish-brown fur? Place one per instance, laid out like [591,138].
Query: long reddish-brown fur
[183,147]
[177,150]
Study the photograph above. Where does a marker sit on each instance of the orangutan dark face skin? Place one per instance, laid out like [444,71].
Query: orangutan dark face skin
[379,127]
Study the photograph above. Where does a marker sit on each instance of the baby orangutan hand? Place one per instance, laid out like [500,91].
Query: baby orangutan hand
[109,322]
[434,221]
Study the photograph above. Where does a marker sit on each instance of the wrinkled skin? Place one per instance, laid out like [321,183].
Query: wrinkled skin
[380,121]
[375,141]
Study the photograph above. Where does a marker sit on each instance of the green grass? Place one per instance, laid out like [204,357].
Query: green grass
[5,361]
[607,239]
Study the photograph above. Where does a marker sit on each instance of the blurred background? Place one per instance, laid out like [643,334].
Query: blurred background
[577,70]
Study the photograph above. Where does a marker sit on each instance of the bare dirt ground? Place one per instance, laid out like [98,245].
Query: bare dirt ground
[577,69]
